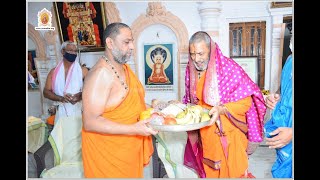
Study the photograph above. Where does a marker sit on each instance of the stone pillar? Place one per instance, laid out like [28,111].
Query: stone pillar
[184,58]
[277,15]
[52,52]
[209,13]
[275,53]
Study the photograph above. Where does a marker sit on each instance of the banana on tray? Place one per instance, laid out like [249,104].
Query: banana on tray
[177,113]
[192,114]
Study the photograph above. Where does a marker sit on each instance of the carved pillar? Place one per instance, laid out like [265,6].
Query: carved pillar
[112,13]
[52,56]
[41,54]
[38,41]
[277,15]
[53,42]
[184,58]
[275,51]
[209,13]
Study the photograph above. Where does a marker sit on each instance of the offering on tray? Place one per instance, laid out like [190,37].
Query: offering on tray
[177,117]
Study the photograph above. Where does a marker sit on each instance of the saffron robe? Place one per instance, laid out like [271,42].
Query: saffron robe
[119,156]
[232,161]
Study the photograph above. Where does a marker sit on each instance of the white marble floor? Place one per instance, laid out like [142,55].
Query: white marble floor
[260,163]
[31,164]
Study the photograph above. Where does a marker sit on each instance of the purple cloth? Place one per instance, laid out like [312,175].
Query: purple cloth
[193,156]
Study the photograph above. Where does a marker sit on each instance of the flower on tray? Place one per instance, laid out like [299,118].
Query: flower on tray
[265,92]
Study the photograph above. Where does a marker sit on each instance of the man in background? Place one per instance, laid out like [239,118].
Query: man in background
[64,87]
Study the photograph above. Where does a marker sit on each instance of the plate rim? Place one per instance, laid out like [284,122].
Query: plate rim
[179,127]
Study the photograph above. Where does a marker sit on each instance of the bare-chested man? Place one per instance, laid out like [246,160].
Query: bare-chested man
[115,144]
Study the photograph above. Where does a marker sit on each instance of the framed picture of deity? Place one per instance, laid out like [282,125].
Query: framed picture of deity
[158,63]
[83,23]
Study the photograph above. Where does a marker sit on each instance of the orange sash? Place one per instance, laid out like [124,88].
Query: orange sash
[236,162]
[119,156]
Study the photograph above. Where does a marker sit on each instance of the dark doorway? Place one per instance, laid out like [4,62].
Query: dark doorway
[286,40]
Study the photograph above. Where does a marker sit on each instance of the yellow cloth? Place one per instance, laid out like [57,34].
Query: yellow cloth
[65,139]
[119,156]
[237,162]
[37,133]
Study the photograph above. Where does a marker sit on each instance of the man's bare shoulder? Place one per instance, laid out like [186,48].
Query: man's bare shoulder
[51,71]
[84,71]
[99,72]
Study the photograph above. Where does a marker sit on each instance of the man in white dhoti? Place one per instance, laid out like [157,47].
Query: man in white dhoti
[64,86]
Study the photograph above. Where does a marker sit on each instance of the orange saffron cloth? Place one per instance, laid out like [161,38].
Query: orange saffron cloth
[119,156]
[236,164]
[50,119]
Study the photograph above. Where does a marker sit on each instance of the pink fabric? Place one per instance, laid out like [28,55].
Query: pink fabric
[54,76]
[225,82]
[69,75]
[59,81]
[193,85]
[233,84]
[193,156]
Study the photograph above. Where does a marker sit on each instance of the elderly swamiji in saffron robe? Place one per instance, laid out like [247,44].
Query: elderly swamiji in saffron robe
[119,156]
[219,151]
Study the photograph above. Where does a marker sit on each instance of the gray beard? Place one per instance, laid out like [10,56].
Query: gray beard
[119,57]
[201,69]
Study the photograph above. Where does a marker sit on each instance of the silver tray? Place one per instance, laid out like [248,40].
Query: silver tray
[179,128]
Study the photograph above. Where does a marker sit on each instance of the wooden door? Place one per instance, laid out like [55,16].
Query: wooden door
[248,39]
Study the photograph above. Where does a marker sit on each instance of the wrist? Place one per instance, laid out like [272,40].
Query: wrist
[223,110]
[80,96]
[60,98]
[131,129]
